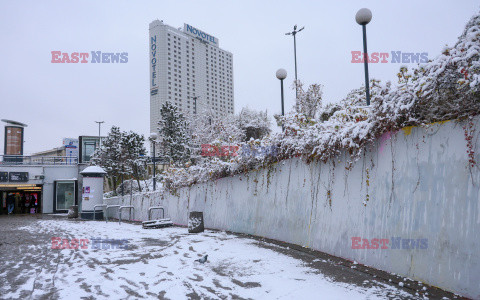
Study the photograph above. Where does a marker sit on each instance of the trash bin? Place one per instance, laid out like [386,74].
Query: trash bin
[195,222]
[73,212]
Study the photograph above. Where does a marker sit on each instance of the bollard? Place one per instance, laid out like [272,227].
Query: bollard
[195,222]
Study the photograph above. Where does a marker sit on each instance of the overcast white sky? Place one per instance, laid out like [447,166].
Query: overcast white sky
[64,100]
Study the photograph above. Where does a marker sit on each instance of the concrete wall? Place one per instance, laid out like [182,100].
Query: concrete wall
[412,184]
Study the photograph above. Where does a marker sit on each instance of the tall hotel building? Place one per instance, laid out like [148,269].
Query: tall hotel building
[185,64]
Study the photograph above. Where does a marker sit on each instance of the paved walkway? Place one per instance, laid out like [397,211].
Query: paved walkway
[161,263]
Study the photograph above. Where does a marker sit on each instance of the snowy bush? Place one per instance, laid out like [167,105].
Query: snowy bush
[122,155]
[173,135]
[443,89]
[255,125]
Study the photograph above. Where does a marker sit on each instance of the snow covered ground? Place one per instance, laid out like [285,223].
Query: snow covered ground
[161,263]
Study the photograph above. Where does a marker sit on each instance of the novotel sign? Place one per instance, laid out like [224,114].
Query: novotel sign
[153,62]
[190,30]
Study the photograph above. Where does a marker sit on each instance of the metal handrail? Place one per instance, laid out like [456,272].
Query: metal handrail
[106,210]
[156,207]
[37,160]
[120,212]
[95,211]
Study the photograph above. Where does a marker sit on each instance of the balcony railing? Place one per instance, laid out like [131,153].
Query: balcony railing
[9,160]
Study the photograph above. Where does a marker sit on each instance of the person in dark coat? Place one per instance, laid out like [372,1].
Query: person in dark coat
[10,203]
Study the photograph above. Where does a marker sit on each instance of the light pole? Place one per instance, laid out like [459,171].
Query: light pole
[99,138]
[363,17]
[281,75]
[123,171]
[153,139]
[294,33]
[195,104]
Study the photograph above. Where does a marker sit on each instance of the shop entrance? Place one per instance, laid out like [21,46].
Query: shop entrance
[20,199]
[65,194]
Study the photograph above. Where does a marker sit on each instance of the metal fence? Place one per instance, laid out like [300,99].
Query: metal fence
[9,160]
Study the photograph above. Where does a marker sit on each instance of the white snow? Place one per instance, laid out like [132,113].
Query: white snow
[94,170]
[162,262]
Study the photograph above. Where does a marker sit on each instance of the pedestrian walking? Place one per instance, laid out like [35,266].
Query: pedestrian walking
[10,203]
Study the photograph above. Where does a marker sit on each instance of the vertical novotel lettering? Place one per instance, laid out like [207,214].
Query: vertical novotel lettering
[153,61]
[200,34]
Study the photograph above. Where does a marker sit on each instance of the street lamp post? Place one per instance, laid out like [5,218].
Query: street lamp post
[123,171]
[153,139]
[363,17]
[99,138]
[294,33]
[195,104]
[281,75]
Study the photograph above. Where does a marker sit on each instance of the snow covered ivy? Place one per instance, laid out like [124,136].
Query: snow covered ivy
[443,89]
